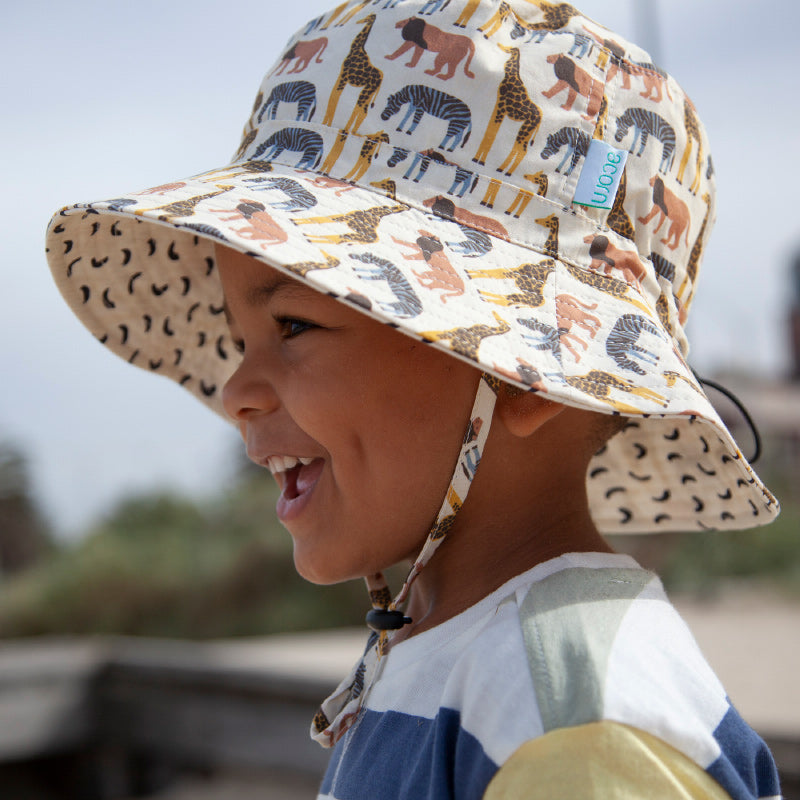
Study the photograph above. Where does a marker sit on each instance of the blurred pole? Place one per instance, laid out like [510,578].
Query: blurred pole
[648,31]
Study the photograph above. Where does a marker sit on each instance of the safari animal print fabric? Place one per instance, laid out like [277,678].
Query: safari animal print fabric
[420,159]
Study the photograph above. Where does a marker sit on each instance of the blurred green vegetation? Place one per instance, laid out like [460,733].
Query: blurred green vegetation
[703,564]
[770,554]
[163,565]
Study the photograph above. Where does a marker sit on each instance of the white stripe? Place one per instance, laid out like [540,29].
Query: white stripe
[670,691]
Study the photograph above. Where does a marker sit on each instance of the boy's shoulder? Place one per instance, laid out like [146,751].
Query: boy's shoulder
[583,640]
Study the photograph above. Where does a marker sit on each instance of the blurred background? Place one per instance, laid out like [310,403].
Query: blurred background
[128,510]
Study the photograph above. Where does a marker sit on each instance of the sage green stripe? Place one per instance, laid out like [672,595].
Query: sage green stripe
[569,623]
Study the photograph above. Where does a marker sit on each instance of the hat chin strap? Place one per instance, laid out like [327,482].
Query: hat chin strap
[338,713]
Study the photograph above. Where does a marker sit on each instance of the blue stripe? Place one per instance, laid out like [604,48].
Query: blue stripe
[390,755]
[745,769]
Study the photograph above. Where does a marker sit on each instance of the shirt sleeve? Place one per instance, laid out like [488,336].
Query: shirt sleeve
[601,760]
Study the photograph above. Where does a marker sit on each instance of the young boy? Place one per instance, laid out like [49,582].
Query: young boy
[441,290]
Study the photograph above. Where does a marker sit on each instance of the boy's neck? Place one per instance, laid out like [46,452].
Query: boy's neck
[513,519]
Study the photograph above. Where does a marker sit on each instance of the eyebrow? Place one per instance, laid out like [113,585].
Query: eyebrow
[258,296]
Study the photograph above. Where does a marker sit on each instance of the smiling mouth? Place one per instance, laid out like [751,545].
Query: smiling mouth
[297,477]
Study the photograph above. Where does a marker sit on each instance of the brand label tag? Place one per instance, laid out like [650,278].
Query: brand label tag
[600,176]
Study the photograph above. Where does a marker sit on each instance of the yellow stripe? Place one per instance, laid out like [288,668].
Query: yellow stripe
[605,760]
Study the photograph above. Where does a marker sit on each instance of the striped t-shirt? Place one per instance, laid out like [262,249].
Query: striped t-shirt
[575,679]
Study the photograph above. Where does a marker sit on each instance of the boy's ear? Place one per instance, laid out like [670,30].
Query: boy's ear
[523,413]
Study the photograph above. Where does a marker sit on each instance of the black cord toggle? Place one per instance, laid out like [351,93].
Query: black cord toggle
[382,619]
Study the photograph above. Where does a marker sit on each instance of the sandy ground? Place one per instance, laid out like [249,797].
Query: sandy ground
[752,640]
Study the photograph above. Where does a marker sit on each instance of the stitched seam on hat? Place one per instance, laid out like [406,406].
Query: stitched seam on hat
[552,205]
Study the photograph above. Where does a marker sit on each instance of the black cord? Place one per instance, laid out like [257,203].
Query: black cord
[744,412]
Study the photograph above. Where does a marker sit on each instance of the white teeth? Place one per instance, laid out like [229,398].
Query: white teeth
[278,464]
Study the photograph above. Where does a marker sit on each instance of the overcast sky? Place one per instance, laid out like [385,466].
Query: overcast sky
[100,97]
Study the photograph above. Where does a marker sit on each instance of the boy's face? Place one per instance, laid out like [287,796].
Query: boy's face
[361,425]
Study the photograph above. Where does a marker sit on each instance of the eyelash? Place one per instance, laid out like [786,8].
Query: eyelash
[285,327]
[288,325]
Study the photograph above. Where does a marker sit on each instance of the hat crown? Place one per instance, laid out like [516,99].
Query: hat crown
[486,113]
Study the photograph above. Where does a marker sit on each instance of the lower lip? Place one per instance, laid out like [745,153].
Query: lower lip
[289,508]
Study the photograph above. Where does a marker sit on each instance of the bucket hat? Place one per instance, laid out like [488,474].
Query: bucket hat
[508,181]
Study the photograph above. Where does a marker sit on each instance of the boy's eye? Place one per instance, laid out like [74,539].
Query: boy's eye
[290,327]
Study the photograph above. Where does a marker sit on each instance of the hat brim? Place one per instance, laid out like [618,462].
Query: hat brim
[145,284]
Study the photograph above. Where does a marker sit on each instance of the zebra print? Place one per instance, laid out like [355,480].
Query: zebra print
[664,268]
[582,46]
[301,92]
[518,30]
[119,203]
[398,154]
[549,338]
[477,243]
[313,24]
[208,230]
[421,163]
[651,68]
[461,181]
[434,5]
[645,124]
[408,304]
[298,140]
[426,100]
[577,147]
[298,198]
[622,345]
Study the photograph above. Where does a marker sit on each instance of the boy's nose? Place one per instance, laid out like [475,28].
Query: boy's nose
[248,393]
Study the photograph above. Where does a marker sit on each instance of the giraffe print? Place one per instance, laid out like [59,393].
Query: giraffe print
[556,16]
[250,167]
[333,154]
[368,152]
[362,223]
[184,208]
[357,70]
[513,102]
[524,196]
[694,261]
[618,219]
[530,279]
[599,384]
[387,186]
[340,9]
[467,341]
[470,7]
[302,268]
[551,245]
[692,125]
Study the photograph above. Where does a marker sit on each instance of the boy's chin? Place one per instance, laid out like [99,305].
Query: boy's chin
[316,568]
[322,569]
